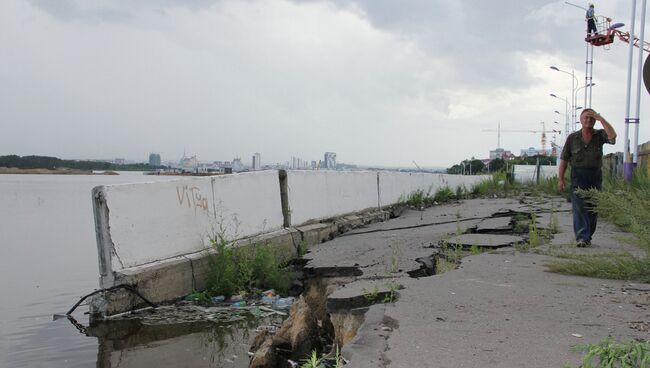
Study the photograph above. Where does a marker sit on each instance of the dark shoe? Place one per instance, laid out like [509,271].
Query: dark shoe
[581,244]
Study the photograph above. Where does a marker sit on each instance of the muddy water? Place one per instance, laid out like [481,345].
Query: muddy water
[48,260]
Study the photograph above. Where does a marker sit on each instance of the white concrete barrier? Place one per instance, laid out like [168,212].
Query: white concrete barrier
[148,222]
[317,195]
[394,186]
[467,181]
[548,171]
[528,173]
[152,234]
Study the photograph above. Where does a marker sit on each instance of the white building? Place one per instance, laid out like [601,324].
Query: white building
[189,164]
[532,151]
[237,165]
[298,163]
[257,161]
[500,153]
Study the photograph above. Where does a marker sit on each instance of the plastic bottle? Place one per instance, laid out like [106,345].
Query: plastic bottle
[283,303]
[218,299]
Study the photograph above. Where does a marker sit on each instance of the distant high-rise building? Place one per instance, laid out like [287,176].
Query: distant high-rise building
[237,165]
[154,159]
[189,163]
[330,160]
[532,151]
[298,163]
[257,161]
[500,153]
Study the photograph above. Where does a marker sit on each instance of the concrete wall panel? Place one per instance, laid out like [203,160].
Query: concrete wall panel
[248,203]
[155,221]
[394,186]
[468,181]
[528,173]
[322,194]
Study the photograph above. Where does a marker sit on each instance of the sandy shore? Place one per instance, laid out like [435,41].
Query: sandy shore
[62,171]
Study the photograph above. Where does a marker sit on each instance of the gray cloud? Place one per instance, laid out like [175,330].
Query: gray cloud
[378,82]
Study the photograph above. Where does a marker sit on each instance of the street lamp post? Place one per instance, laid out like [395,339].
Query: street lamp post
[566,116]
[588,85]
[574,95]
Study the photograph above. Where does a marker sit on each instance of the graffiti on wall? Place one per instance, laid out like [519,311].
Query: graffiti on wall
[191,197]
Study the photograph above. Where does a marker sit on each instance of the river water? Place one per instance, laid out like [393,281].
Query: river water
[48,260]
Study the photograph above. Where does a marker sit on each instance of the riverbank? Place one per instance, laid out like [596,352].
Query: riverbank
[61,171]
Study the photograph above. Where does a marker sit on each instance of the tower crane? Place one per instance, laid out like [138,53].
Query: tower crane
[543,132]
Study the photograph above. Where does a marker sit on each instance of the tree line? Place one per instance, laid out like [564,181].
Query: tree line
[47,162]
[475,166]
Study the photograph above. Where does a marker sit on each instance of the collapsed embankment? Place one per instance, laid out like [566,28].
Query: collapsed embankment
[381,293]
[350,277]
[155,237]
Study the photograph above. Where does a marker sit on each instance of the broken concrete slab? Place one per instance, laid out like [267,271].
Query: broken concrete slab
[362,293]
[317,233]
[496,224]
[485,240]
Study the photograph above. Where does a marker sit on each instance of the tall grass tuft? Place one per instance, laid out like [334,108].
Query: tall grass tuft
[610,353]
[617,266]
[444,195]
[420,198]
[245,269]
[626,205]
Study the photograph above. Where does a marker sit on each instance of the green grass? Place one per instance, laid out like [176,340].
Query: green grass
[533,234]
[474,250]
[245,269]
[303,248]
[444,195]
[610,353]
[627,206]
[419,198]
[313,361]
[618,266]
[443,265]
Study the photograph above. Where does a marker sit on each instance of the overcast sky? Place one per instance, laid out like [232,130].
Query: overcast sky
[379,82]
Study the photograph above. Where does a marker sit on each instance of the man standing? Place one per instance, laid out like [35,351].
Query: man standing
[584,151]
[591,21]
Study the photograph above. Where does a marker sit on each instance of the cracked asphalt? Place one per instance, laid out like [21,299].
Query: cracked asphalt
[499,308]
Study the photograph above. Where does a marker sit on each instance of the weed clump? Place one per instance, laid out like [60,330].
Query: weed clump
[444,195]
[618,266]
[610,353]
[626,205]
[419,198]
[245,269]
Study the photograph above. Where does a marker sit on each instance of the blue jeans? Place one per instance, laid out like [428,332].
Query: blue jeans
[584,218]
